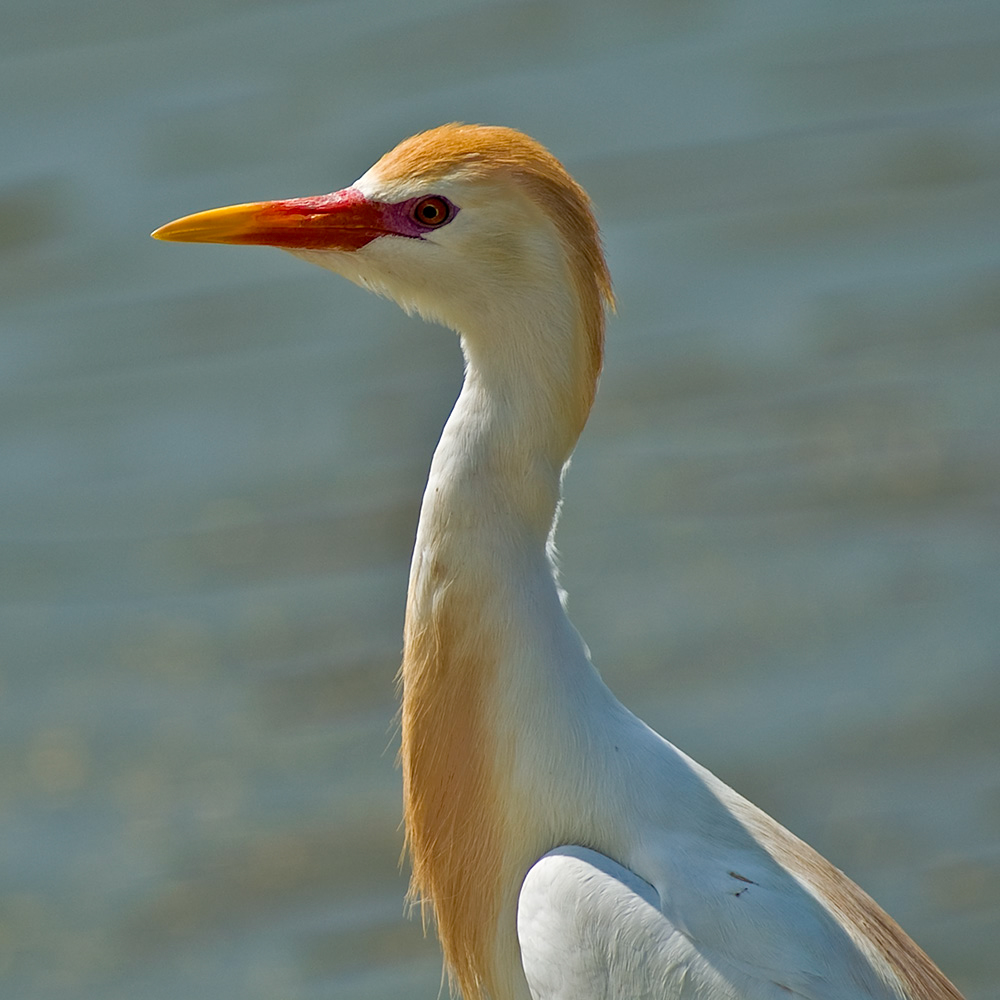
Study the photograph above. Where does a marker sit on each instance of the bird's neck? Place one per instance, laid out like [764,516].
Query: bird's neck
[484,618]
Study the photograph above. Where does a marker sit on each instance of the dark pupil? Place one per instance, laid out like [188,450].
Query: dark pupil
[431,211]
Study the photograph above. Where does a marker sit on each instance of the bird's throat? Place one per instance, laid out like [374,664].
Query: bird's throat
[485,527]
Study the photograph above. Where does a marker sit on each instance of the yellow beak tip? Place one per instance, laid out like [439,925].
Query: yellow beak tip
[232,224]
[172,232]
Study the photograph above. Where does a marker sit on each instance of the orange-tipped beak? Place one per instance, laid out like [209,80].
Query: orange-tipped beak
[344,220]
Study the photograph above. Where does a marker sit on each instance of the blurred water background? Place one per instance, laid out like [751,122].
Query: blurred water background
[782,532]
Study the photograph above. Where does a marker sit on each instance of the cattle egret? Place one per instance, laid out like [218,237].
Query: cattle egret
[563,848]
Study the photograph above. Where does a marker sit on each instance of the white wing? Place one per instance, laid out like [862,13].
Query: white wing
[590,929]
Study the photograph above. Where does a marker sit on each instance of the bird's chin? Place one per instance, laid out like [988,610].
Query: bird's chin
[347,263]
[356,268]
[338,261]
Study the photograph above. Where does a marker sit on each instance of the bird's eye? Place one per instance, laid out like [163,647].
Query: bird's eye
[432,211]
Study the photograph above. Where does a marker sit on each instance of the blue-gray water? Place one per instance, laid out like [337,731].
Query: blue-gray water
[782,531]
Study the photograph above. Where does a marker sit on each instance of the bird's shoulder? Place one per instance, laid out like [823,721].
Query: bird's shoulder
[590,927]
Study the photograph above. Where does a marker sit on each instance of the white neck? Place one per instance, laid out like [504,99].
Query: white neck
[486,635]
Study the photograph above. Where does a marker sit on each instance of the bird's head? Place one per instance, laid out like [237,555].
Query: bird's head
[462,223]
